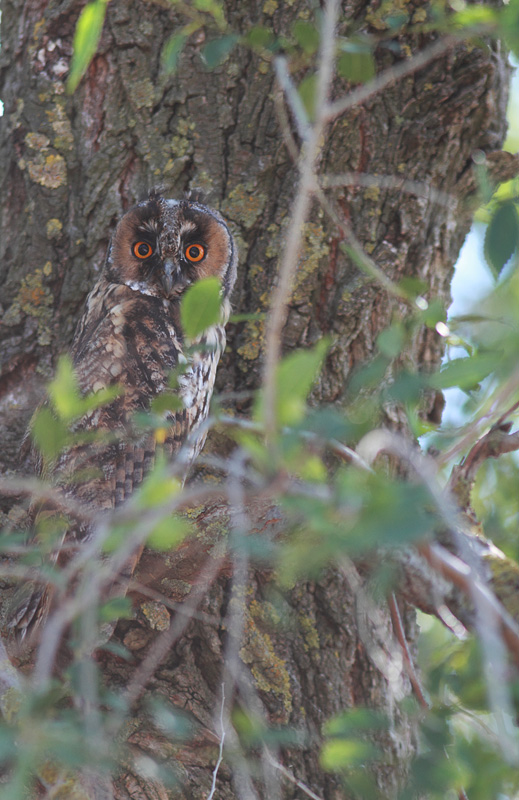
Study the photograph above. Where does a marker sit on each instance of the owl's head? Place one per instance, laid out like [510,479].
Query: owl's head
[161,246]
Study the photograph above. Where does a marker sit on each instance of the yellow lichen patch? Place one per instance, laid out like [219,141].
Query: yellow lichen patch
[372,193]
[505,581]
[37,141]
[309,631]
[254,336]
[35,300]
[156,614]
[12,698]
[143,94]
[33,295]
[50,171]
[63,136]
[272,249]
[420,15]
[269,7]
[244,205]
[47,268]
[267,668]
[53,228]
[315,247]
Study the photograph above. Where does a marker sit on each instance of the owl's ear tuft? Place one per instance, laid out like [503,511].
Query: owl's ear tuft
[196,195]
[156,192]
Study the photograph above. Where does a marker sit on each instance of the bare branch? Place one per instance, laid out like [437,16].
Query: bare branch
[389,76]
[312,148]
[220,752]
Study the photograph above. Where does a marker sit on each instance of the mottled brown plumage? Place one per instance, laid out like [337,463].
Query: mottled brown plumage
[130,335]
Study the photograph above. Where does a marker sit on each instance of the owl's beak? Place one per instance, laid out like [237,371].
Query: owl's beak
[170,277]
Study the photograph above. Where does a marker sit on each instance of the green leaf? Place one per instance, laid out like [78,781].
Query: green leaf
[306,35]
[168,533]
[172,51]
[307,92]
[475,16]
[64,391]
[355,721]
[213,8]
[466,373]
[339,754]
[502,237]
[356,64]
[259,37]
[116,608]
[214,53]
[49,433]
[86,38]
[201,307]
[166,402]
[509,17]
[391,340]
[157,488]
[295,376]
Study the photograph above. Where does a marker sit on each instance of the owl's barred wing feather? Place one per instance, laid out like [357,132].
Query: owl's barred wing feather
[130,336]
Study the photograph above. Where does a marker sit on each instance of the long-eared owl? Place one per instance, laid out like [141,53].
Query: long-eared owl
[130,335]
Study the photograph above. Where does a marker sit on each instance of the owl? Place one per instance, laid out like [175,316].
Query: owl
[130,335]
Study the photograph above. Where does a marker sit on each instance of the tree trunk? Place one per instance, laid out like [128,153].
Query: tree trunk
[73,164]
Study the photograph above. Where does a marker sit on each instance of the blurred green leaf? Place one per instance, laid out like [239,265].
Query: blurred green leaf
[174,722]
[502,237]
[212,7]
[355,721]
[434,313]
[215,52]
[475,16]
[116,608]
[201,306]
[356,63]
[158,487]
[50,434]
[295,375]
[391,340]
[307,92]
[64,391]
[168,533]
[86,39]
[172,51]
[509,19]
[167,401]
[339,754]
[306,35]
[259,37]
[466,373]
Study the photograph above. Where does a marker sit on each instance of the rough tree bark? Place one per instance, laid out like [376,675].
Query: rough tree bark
[72,164]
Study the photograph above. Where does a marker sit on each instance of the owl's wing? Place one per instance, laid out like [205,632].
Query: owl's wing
[107,351]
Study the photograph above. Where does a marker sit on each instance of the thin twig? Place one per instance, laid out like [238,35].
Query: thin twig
[167,639]
[398,627]
[396,182]
[295,781]
[389,76]
[460,574]
[312,148]
[293,97]
[220,753]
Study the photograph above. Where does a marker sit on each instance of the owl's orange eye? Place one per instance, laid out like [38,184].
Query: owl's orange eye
[195,252]
[142,250]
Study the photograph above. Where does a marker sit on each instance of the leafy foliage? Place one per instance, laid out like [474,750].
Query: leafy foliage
[336,510]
